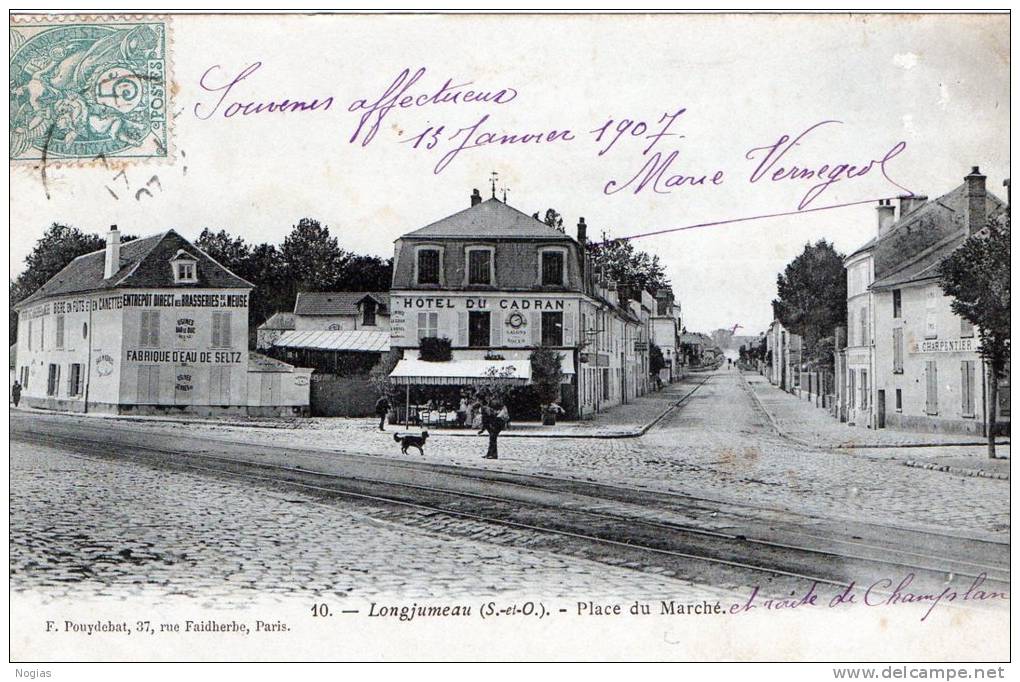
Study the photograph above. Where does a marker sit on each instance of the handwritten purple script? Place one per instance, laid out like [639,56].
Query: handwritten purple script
[883,592]
[656,143]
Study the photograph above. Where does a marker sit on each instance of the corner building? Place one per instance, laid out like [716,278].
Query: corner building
[498,283]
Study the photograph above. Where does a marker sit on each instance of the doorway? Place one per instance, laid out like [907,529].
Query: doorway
[880,408]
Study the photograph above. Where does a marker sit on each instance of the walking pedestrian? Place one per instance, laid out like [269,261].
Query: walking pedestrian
[16,393]
[382,408]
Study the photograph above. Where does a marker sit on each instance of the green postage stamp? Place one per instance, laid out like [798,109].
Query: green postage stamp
[88,88]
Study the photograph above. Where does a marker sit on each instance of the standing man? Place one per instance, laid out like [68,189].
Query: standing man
[16,392]
[382,408]
[492,423]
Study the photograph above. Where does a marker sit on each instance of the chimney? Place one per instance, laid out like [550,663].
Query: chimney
[582,231]
[476,197]
[975,215]
[112,253]
[886,215]
[909,204]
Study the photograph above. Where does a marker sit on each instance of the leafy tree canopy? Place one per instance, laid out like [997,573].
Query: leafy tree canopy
[812,293]
[619,261]
[58,246]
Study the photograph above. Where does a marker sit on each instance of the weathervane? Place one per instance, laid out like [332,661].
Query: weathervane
[505,191]
[495,176]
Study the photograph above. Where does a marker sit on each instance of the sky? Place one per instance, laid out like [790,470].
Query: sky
[929,94]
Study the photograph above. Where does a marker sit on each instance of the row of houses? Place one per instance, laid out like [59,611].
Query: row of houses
[905,359]
[164,326]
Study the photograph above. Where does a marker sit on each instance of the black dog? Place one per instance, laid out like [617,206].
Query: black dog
[408,440]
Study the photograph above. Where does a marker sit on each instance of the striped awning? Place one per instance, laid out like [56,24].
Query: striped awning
[365,341]
[461,372]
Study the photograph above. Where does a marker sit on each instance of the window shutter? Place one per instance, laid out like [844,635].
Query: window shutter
[142,387]
[462,328]
[963,387]
[154,328]
[217,333]
[423,325]
[536,328]
[568,329]
[225,330]
[154,383]
[495,328]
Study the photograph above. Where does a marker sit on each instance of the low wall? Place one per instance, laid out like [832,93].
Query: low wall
[342,396]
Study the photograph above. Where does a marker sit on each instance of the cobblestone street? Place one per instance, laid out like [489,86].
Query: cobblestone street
[85,527]
[83,524]
[718,444]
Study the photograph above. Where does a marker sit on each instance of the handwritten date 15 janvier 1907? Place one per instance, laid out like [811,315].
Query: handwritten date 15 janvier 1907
[661,171]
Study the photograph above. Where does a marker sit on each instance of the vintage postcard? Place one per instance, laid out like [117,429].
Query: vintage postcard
[511,337]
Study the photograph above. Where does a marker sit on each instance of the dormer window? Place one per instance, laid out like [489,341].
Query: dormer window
[368,313]
[429,265]
[185,268]
[480,265]
[552,266]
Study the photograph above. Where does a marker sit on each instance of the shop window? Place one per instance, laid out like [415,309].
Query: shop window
[428,325]
[221,337]
[897,303]
[967,388]
[53,380]
[149,329]
[480,264]
[552,267]
[74,388]
[552,328]
[429,262]
[478,329]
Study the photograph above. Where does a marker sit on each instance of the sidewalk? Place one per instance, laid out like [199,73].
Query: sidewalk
[623,421]
[803,423]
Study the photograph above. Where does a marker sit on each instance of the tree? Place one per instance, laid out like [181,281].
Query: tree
[812,298]
[313,258]
[656,361]
[58,246]
[230,252]
[976,276]
[367,273]
[546,376]
[635,270]
[552,218]
[379,376]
